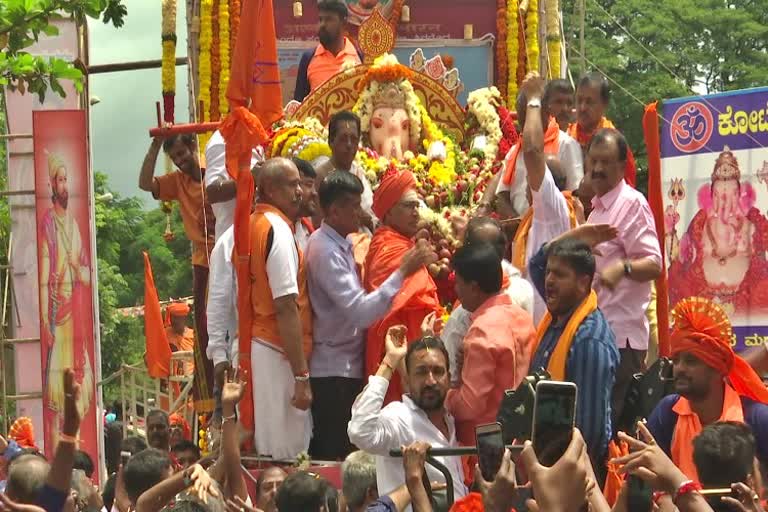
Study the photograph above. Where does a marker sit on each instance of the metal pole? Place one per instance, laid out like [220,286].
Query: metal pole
[131,66]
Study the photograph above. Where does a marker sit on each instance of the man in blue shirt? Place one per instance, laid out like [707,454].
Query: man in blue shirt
[575,342]
[342,311]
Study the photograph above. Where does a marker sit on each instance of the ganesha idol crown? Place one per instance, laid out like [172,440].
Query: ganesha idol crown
[389,95]
[726,167]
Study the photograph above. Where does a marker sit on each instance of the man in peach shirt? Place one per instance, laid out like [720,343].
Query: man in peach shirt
[333,52]
[498,345]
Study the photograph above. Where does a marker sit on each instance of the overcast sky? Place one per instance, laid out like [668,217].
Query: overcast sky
[120,122]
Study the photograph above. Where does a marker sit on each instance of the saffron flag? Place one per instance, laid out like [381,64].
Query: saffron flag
[158,350]
[656,201]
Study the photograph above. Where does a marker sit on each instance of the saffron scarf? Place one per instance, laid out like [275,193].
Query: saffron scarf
[519,250]
[556,366]
[551,147]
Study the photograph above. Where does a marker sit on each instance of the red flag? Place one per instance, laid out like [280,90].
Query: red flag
[653,145]
[256,101]
[158,356]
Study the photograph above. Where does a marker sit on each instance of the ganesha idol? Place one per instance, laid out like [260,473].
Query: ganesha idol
[723,252]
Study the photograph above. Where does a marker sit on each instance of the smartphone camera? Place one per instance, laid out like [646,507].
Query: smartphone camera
[554,417]
[490,449]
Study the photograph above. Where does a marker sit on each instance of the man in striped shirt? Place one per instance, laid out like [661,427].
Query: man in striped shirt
[575,342]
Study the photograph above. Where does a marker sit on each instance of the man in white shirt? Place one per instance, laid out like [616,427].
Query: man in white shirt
[420,416]
[484,230]
[219,187]
[511,191]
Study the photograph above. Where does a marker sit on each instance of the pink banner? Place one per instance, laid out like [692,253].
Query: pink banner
[65,269]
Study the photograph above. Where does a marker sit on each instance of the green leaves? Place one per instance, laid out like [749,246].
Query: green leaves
[21,24]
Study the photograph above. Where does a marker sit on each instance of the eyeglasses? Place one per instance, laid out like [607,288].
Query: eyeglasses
[409,205]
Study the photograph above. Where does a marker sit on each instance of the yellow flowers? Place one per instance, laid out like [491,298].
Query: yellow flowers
[169,66]
[204,67]
[168,63]
[553,38]
[532,36]
[513,49]
[224,55]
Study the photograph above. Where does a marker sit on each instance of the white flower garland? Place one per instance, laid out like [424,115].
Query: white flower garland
[482,103]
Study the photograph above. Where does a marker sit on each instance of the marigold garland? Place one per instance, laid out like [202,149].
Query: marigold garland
[234,22]
[553,38]
[513,50]
[204,71]
[523,52]
[215,61]
[501,48]
[532,36]
[224,53]
[472,502]
[168,66]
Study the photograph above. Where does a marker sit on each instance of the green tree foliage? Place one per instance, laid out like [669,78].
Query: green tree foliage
[704,46]
[21,24]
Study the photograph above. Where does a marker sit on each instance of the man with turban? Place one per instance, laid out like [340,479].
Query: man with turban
[180,337]
[396,204]
[23,432]
[713,384]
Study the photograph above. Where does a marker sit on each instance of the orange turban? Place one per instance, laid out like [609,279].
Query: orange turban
[176,420]
[23,433]
[702,328]
[178,309]
[393,185]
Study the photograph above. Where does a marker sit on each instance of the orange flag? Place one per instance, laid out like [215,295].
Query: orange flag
[158,350]
[255,99]
[653,145]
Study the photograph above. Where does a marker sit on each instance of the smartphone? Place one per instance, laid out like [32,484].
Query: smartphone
[490,449]
[124,456]
[554,417]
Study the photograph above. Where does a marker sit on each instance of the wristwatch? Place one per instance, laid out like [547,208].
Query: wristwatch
[302,377]
[535,103]
[627,268]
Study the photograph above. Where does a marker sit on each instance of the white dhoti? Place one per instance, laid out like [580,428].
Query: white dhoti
[280,429]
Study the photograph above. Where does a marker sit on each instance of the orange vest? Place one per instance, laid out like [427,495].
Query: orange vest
[264,320]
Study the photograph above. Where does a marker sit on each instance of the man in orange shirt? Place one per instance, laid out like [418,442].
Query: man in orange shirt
[185,185]
[497,346]
[333,52]
[396,204]
[180,337]
[277,401]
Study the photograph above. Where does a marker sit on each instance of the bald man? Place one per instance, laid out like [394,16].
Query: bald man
[277,350]
[26,477]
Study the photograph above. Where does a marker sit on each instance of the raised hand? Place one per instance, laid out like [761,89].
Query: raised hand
[432,325]
[396,345]
[232,390]
[414,458]
[533,86]
[202,483]
[420,255]
[71,423]
[499,495]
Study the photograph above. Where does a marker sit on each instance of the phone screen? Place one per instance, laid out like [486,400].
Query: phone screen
[490,450]
[553,420]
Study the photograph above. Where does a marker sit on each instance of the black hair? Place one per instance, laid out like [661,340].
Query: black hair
[158,412]
[305,168]
[145,470]
[476,223]
[330,496]
[108,494]
[301,492]
[334,6]
[188,139]
[604,135]
[556,86]
[426,343]
[724,453]
[340,117]
[83,461]
[338,185]
[133,444]
[577,255]
[113,438]
[480,264]
[185,445]
[262,476]
[595,79]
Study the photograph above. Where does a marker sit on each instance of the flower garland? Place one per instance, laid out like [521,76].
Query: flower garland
[204,78]
[553,38]
[522,55]
[215,61]
[234,22]
[443,172]
[513,49]
[224,48]
[472,502]
[394,17]
[532,36]
[502,70]
[483,103]
[168,72]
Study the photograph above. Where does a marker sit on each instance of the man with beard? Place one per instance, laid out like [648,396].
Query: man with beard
[158,430]
[304,227]
[574,342]
[185,185]
[267,485]
[65,280]
[497,346]
[331,55]
[420,416]
[713,384]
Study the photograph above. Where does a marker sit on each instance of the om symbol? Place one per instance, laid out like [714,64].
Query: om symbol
[691,127]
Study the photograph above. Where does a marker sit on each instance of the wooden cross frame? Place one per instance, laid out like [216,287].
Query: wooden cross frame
[178,129]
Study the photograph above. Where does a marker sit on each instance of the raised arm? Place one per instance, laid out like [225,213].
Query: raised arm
[147,181]
[533,132]
[231,394]
[60,475]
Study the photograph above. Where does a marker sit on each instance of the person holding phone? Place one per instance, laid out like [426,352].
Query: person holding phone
[574,341]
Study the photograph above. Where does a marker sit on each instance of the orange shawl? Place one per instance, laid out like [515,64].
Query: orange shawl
[519,248]
[551,147]
[583,137]
[559,358]
[417,298]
